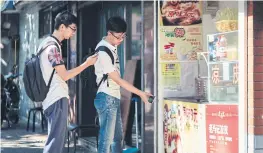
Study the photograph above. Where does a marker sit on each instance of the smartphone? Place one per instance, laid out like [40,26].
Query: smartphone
[96,53]
[151,98]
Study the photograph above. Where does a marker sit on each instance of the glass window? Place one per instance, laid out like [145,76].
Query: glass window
[45,20]
[136,31]
[221,48]
[198,50]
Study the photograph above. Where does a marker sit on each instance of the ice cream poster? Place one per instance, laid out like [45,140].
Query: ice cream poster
[179,43]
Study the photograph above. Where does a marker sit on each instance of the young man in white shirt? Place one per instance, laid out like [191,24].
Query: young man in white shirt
[55,104]
[107,101]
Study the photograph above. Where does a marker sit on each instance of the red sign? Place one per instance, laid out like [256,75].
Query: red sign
[222,128]
[179,32]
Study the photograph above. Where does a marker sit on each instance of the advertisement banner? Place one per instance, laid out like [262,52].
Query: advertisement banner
[180,43]
[180,30]
[180,13]
[222,128]
[181,124]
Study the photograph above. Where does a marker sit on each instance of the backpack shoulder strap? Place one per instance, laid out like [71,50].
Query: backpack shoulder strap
[108,51]
[49,43]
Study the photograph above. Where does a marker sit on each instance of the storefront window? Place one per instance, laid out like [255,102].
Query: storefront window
[223,66]
[221,48]
[198,53]
[198,75]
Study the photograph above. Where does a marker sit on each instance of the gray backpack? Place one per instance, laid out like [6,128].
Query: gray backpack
[35,86]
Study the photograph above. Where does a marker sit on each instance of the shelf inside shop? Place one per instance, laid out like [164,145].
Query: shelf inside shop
[222,62]
[176,61]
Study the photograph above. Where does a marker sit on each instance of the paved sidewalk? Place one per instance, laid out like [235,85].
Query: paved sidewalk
[17,140]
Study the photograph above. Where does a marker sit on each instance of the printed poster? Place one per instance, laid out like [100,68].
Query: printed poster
[171,74]
[180,43]
[222,128]
[181,124]
[180,13]
[180,30]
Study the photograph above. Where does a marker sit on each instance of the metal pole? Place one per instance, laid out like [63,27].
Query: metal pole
[155,72]
[142,79]
[136,123]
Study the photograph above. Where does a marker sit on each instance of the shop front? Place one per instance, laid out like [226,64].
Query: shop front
[201,77]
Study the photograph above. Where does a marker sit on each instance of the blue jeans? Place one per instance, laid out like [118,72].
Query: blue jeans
[110,134]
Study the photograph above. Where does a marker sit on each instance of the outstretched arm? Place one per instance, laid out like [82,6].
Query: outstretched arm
[56,61]
[126,85]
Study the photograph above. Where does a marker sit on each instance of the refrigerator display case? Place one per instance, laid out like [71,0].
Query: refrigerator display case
[222,65]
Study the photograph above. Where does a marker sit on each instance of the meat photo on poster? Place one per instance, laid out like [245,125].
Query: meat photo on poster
[182,13]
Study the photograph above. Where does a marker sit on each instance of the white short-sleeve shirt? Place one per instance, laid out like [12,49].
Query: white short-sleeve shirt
[104,66]
[58,87]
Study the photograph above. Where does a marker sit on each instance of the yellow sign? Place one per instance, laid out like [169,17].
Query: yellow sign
[171,70]
[171,75]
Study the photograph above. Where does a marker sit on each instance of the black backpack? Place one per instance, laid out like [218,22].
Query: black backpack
[35,86]
[88,76]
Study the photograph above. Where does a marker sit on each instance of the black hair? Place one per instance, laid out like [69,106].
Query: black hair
[65,18]
[116,24]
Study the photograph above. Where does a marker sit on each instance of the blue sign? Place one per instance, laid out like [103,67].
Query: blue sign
[7,4]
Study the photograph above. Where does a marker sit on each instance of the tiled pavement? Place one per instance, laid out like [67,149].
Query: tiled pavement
[17,140]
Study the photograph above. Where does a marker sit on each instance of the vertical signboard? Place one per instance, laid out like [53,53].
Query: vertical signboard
[222,128]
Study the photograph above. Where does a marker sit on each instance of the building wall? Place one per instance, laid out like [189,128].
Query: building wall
[255,76]
[9,50]
[28,31]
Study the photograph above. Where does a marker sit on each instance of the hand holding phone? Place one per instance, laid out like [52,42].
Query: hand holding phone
[147,97]
[91,60]
[151,98]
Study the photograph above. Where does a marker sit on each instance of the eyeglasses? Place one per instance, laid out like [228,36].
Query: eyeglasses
[72,29]
[119,38]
